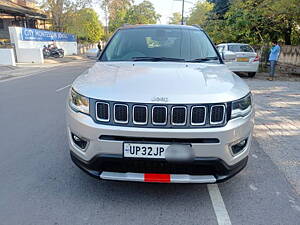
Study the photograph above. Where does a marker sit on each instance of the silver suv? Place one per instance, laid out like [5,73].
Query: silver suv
[160,106]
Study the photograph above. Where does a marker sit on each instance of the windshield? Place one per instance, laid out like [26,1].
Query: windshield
[169,44]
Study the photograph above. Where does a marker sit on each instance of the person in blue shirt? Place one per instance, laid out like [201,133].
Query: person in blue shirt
[273,58]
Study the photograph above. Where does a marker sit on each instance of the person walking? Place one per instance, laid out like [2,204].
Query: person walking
[273,58]
[99,49]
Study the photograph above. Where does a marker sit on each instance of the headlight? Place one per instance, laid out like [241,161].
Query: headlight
[241,107]
[79,103]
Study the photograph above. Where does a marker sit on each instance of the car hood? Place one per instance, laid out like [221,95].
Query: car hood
[161,82]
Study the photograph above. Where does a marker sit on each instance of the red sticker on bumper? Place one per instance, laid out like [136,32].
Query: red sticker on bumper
[151,177]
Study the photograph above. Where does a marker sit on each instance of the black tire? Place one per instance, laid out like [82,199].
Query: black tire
[56,55]
[251,74]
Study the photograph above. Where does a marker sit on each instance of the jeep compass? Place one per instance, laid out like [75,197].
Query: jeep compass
[159,105]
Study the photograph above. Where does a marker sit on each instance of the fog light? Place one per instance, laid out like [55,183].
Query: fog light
[237,147]
[79,142]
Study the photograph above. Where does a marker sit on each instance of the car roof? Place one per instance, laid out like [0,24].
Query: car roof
[233,44]
[128,26]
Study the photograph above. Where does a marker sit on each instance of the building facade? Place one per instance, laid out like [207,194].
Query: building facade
[20,13]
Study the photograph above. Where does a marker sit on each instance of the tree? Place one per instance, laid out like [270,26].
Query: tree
[251,21]
[258,21]
[59,10]
[247,22]
[85,25]
[220,7]
[143,13]
[175,18]
[104,6]
[286,15]
[117,12]
[200,13]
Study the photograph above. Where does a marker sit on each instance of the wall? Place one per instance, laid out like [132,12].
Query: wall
[26,38]
[30,55]
[7,57]
[290,55]
[83,48]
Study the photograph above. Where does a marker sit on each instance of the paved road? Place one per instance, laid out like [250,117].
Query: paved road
[40,185]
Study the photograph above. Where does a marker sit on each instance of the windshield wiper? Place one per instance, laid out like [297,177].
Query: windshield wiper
[203,59]
[156,59]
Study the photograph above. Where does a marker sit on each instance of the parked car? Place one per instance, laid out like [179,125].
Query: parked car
[246,59]
[160,106]
[92,53]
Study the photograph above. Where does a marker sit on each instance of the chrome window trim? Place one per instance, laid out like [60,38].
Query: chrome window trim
[154,123]
[223,119]
[185,119]
[120,121]
[102,120]
[198,124]
[139,123]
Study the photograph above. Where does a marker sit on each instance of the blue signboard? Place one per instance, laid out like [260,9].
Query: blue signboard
[28,34]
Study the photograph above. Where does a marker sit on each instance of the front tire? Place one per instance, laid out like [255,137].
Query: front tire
[251,74]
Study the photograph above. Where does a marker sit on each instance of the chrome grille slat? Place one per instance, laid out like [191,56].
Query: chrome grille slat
[140,114]
[217,114]
[179,115]
[102,111]
[159,115]
[198,115]
[121,113]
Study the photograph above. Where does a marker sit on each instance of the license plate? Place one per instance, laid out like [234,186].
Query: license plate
[141,150]
[242,59]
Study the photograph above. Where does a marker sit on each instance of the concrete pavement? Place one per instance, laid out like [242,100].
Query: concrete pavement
[277,127]
[40,184]
[25,69]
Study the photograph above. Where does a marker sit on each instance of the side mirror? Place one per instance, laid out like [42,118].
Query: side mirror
[228,56]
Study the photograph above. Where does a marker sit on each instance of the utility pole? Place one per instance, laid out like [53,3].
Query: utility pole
[182,10]
[182,13]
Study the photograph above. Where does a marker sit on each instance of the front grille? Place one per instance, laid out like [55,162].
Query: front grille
[140,114]
[179,115]
[163,116]
[121,113]
[102,111]
[217,114]
[159,115]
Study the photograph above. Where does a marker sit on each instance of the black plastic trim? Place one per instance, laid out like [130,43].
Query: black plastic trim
[162,140]
[222,171]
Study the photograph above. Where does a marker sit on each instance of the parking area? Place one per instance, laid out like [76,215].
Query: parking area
[277,126]
[40,184]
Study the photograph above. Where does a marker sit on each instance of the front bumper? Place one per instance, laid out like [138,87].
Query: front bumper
[210,158]
[200,170]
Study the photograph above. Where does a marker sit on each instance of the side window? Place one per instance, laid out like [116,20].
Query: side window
[114,48]
[201,47]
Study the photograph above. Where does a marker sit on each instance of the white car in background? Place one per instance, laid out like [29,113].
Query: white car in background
[244,58]
[92,53]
